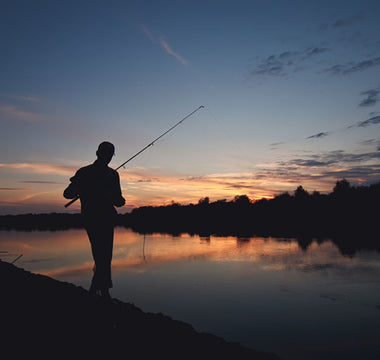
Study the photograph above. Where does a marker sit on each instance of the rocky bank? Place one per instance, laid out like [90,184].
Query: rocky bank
[45,318]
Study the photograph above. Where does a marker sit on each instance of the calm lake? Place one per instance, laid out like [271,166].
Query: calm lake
[266,293]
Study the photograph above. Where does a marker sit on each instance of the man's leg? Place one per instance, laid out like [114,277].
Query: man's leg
[101,239]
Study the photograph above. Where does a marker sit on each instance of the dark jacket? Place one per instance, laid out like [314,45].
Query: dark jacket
[99,189]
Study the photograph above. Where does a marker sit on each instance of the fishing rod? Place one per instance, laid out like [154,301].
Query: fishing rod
[147,146]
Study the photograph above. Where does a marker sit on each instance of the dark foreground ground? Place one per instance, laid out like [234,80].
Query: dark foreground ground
[45,318]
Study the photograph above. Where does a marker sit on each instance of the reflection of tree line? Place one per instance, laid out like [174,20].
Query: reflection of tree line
[348,215]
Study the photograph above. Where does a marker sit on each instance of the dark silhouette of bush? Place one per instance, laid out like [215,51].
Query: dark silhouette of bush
[347,213]
[51,222]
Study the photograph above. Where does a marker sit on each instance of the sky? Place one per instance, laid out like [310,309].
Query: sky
[291,91]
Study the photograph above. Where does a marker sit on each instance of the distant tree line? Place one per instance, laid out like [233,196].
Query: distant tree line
[347,210]
[50,222]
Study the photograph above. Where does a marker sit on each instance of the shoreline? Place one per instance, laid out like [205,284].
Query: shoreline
[44,317]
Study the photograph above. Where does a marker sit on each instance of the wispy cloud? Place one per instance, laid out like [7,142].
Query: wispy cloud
[344,22]
[39,182]
[288,61]
[371,121]
[335,157]
[320,170]
[372,97]
[171,52]
[351,67]
[23,98]
[17,113]
[371,142]
[12,189]
[374,120]
[18,107]
[319,135]
[39,168]
[148,33]
[276,145]
[348,21]
[164,44]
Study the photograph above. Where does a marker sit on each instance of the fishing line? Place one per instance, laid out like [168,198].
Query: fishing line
[143,248]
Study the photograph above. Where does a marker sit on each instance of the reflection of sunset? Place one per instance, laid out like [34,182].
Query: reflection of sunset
[67,254]
[207,281]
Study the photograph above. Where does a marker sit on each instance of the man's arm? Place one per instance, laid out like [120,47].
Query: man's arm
[72,190]
[117,199]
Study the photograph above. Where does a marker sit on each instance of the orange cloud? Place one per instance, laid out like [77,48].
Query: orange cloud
[140,186]
[144,186]
[41,194]
[39,168]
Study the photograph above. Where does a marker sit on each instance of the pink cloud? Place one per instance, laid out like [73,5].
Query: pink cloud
[15,112]
[163,44]
[39,168]
[169,50]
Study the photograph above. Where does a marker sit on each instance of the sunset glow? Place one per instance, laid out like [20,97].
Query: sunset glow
[291,98]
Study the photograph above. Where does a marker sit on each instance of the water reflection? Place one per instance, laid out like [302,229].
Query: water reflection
[64,253]
[300,298]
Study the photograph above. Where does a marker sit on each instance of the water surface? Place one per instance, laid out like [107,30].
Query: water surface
[266,293]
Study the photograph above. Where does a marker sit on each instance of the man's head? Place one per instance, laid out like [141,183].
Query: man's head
[105,152]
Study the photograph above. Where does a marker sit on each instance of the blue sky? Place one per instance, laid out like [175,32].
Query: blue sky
[291,92]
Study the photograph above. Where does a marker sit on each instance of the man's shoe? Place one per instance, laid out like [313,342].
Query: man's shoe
[105,294]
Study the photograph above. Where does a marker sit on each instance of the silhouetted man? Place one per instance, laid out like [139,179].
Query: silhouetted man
[99,189]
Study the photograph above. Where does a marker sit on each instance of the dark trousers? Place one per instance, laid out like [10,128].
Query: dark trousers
[100,234]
